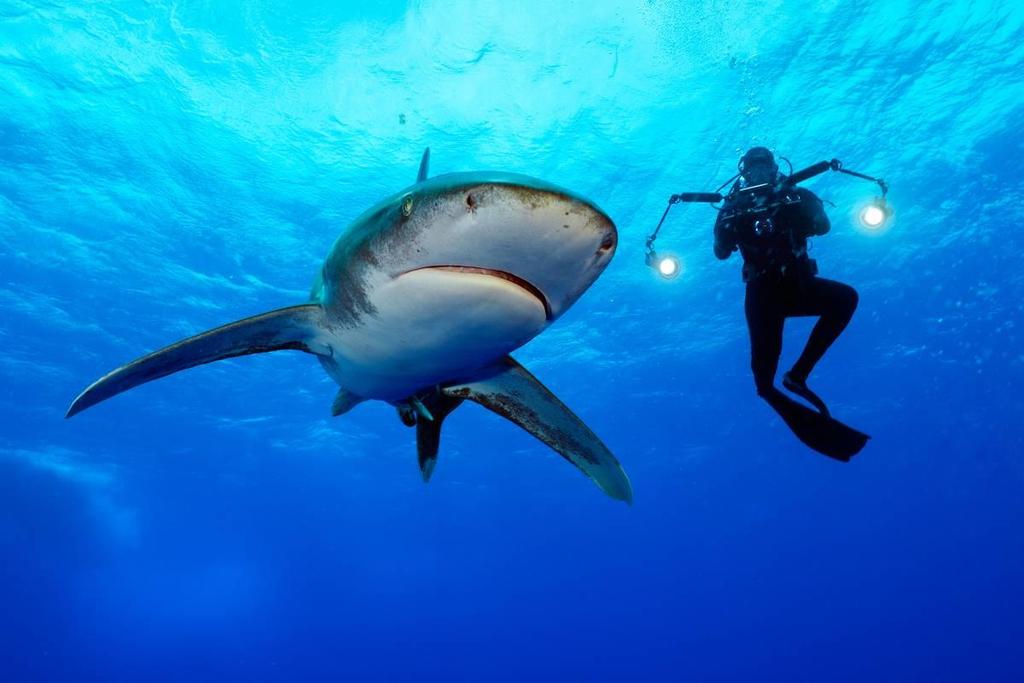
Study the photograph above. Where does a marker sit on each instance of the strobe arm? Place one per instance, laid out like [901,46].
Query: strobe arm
[834,165]
[794,178]
[813,170]
[697,197]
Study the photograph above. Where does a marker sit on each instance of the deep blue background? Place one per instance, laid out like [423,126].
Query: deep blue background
[168,167]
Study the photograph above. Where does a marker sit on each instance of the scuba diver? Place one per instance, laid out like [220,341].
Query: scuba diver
[769,221]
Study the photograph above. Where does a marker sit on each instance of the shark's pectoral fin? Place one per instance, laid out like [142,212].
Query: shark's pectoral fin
[512,392]
[428,432]
[344,402]
[296,327]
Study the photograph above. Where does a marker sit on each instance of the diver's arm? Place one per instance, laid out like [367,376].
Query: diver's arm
[814,213]
[725,238]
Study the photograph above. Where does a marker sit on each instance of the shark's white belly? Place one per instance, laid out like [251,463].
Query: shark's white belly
[432,326]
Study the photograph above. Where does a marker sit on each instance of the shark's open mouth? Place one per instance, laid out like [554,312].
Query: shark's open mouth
[500,274]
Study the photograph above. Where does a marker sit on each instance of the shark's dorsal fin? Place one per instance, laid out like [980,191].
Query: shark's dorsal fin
[424,166]
[509,390]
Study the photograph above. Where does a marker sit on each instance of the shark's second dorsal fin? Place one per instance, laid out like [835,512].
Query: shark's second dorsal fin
[424,166]
[513,393]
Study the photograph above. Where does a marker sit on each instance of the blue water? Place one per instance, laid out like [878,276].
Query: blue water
[166,167]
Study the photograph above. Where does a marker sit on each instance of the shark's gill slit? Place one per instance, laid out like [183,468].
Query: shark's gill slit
[492,272]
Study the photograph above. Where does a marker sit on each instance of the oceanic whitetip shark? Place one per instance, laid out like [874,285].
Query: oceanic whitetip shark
[421,300]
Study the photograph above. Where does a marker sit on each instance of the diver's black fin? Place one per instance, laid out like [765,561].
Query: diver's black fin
[824,434]
[428,432]
[513,393]
[801,389]
[296,327]
[344,402]
[424,166]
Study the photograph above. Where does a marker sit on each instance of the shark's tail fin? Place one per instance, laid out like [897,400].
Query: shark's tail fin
[296,327]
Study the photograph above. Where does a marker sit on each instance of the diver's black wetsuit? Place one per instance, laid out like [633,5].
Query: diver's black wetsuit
[781,279]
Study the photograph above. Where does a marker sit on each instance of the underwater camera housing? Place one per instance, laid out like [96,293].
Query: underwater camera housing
[759,199]
[764,198]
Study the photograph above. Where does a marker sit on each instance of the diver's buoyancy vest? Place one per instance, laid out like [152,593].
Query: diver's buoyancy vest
[772,240]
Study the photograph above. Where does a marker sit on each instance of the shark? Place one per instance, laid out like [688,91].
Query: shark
[421,301]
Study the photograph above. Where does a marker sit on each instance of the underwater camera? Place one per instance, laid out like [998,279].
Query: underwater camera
[761,202]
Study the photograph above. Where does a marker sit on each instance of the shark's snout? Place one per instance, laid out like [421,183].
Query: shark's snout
[543,238]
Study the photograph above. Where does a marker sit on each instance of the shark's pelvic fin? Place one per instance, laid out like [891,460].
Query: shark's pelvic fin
[512,392]
[344,402]
[424,166]
[296,327]
[421,409]
[428,432]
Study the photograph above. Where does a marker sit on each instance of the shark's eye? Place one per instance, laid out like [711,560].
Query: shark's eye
[407,207]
